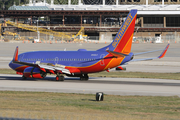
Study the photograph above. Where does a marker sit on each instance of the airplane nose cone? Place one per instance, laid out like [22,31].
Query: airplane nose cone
[11,65]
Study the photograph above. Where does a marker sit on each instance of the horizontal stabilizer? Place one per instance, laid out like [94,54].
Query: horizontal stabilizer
[116,54]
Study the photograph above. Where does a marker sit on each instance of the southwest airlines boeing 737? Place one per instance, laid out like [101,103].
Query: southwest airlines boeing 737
[82,62]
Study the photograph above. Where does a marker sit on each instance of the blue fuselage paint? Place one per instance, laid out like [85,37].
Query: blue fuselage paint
[66,58]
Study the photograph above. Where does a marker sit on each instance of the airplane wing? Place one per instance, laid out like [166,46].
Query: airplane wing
[47,67]
[144,59]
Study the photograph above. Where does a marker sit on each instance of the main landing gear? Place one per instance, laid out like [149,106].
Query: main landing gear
[24,78]
[84,77]
[59,78]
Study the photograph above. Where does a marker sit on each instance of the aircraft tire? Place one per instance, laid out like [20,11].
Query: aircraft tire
[81,78]
[84,78]
[59,78]
[24,78]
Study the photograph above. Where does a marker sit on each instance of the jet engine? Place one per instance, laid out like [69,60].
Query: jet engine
[33,72]
[120,68]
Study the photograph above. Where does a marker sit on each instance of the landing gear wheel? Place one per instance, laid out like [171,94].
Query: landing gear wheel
[59,78]
[84,77]
[24,78]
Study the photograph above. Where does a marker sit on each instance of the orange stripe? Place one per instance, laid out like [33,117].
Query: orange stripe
[114,62]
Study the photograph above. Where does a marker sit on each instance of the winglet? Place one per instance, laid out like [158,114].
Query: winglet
[15,57]
[164,52]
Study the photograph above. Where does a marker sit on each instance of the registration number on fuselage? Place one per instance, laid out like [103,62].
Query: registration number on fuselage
[94,54]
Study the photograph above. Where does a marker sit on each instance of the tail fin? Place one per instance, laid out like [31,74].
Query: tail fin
[123,40]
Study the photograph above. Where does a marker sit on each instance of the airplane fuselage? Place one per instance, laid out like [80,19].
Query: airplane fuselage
[85,61]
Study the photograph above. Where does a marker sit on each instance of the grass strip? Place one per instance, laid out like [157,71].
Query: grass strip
[43,105]
[124,74]
[7,71]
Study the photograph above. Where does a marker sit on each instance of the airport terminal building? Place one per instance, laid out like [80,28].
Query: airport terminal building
[101,19]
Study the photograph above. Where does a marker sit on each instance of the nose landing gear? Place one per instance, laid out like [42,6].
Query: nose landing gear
[84,77]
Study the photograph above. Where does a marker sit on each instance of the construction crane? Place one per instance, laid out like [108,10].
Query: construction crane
[15,35]
[64,36]
[80,35]
[1,37]
[9,33]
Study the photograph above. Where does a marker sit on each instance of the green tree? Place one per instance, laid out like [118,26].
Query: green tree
[5,4]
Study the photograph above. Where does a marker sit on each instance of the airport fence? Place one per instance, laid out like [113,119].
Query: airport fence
[162,39]
[89,39]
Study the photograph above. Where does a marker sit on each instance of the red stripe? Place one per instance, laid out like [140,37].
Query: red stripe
[126,36]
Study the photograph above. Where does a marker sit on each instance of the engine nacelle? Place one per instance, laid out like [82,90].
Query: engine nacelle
[120,68]
[33,72]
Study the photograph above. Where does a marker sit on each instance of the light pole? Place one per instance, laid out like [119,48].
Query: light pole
[38,37]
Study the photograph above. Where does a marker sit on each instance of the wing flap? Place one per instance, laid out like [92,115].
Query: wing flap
[54,67]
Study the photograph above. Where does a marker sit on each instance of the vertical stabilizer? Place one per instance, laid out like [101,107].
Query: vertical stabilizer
[123,39]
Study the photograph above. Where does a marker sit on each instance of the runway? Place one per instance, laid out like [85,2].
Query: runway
[116,86]
[169,64]
[113,86]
